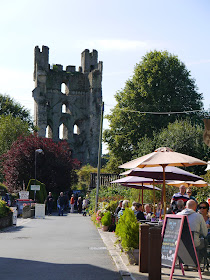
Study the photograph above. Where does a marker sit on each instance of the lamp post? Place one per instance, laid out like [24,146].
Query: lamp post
[37,151]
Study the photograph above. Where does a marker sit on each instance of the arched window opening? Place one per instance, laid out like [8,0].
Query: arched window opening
[48,133]
[64,108]
[76,130]
[63,132]
[63,88]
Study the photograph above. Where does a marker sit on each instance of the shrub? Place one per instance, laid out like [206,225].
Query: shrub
[4,209]
[106,220]
[112,206]
[127,230]
[40,195]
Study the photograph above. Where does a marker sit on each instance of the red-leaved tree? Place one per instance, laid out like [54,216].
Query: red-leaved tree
[55,167]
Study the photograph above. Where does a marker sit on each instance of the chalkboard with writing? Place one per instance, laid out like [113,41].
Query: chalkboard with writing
[171,233]
[177,242]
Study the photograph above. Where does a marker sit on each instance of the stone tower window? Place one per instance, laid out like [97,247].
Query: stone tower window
[76,130]
[64,108]
[49,133]
[63,132]
[63,88]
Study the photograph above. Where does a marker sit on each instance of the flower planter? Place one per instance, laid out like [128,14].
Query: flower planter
[105,228]
[133,256]
[26,212]
[6,221]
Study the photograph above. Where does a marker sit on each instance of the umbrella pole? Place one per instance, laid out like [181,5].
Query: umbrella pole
[142,194]
[153,196]
[139,195]
[164,188]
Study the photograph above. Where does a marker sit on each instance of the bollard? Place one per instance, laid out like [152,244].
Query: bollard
[143,247]
[154,263]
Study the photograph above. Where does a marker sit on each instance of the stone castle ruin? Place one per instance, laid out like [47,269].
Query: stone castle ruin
[68,102]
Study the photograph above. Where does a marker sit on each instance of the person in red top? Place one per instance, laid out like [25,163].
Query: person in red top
[72,203]
[180,195]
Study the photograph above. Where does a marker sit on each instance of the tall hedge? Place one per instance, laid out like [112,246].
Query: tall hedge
[40,195]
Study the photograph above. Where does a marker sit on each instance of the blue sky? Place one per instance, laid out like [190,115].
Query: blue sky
[121,31]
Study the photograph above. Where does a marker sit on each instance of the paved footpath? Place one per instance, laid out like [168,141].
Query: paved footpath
[65,248]
[55,248]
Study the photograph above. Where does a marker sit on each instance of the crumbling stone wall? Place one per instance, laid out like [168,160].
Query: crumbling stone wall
[76,109]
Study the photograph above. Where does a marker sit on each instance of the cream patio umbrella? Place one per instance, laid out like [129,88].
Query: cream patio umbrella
[138,183]
[142,187]
[208,166]
[163,156]
[199,183]
[171,173]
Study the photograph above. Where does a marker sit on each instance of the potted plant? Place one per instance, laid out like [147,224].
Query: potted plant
[106,220]
[127,230]
[26,211]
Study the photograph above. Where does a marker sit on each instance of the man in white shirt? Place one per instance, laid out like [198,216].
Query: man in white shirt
[197,223]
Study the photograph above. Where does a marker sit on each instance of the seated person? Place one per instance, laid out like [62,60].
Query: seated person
[179,206]
[197,224]
[176,207]
[133,207]
[124,205]
[118,207]
[204,210]
[147,211]
[158,213]
[138,212]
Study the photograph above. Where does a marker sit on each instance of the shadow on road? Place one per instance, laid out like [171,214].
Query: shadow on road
[12,229]
[34,270]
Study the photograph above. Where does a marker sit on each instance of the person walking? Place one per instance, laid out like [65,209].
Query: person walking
[72,203]
[79,205]
[61,203]
[49,203]
[85,205]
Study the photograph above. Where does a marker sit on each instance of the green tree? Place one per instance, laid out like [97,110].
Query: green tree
[161,83]
[10,129]
[183,137]
[10,107]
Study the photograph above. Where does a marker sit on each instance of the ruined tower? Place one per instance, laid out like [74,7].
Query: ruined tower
[68,102]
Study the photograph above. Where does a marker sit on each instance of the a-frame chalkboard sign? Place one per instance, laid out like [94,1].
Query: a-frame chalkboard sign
[177,242]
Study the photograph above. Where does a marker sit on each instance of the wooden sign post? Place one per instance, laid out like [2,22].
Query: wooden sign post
[177,242]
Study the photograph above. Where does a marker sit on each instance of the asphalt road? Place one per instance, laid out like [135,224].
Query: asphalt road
[55,248]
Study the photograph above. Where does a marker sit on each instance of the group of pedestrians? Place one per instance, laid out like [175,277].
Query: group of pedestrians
[64,202]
